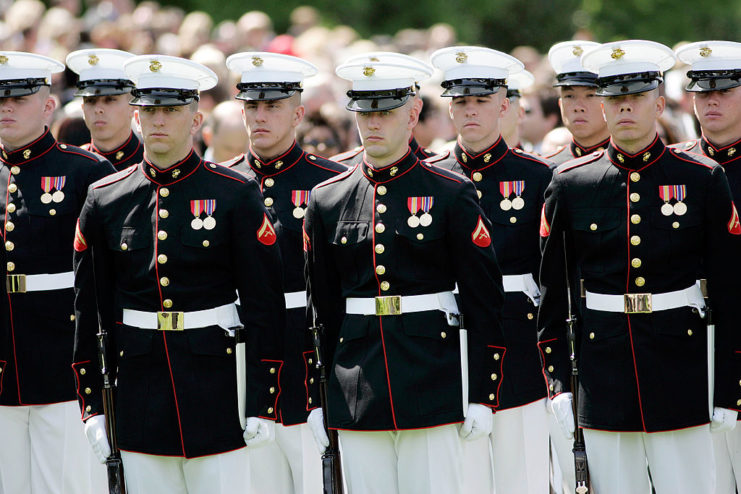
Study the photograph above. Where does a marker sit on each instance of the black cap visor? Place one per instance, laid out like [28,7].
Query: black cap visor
[373,101]
[706,80]
[624,84]
[15,88]
[163,97]
[471,87]
[588,79]
[266,91]
[514,93]
[104,87]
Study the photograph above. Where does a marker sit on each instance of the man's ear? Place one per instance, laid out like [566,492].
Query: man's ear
[197,123]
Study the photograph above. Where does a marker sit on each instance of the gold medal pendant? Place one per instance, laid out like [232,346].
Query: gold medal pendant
[680,208]
[425,219]
[57,196]
[505,204]
[298,212]
[518,203]
[209,223]
[413,221]
[196,224]
[46,198]
[667,209]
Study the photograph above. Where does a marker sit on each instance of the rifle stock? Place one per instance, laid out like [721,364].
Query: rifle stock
[114,465]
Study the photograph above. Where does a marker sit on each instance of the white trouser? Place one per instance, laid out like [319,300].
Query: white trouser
[681,462]
[516,451]
[727,447]
[225,473]
[289,465]
[421,461]
[563,460]
[43,450]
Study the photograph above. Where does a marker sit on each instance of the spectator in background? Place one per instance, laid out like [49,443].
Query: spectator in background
[255,30]
[317,135]
[512,117]
[542,114]
[224,133]
[434,127]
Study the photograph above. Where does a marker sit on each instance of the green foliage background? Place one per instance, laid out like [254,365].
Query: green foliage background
[504,24]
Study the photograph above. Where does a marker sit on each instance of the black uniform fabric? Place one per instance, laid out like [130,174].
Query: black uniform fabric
[129,153]
[729,157]
[641,372]
[575,150]
[38,327]
[355,156]
[516,242]
[136,249]
[403,371]
[285,182]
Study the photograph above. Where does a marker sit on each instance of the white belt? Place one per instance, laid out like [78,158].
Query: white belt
[637,303]
[394,305]
[225,316]
[294,300]
[21,283]
[524,283]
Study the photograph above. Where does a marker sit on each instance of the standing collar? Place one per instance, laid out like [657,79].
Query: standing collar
[484,159]
[276,165]
[724,154]
[174,173]
[392,171]
[30,151]
[578,150]
[639,160]
[122,153]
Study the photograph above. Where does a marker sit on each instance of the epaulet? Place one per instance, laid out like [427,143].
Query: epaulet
[324,163]
[224,171]
[67,148]
[694,158]
[541,160]
[337,178]
[234,161]
[114,177]
[436,158]
[86,146]
[558,151]
[444,172]
[685,146]
[576,163]
[346,155]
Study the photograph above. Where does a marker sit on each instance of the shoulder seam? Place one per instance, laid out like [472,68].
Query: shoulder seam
[116,177]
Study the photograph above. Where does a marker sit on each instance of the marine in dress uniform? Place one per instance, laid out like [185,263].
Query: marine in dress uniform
[106,93]
[270,88]
[580,106]
[161,251]
[386,243]
[714,84]
[510,185]
[640,223]
[510,120]
[43,449]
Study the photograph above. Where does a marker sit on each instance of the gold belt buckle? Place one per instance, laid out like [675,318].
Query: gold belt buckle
[388,306]
[637,303]
[170,321]
[15,283]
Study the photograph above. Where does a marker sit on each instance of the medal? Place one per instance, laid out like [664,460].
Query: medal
[46,183]
[680,191]
[519,187]
[300,198]
[680,208]
[59,182]
[426,218]
[518,203]
[196,207]
[57,196]
[196,223]
[210,206]
[209,223]
[413,221]
[298,213]
[667,209]
[413,205]
[505,204]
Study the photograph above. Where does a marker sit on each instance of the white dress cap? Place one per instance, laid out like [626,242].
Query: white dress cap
[519,81]
[474,62]
[711,55]
[167,72]
[565,59]
[270,67]
[628,57]
[100,70]
[22,65]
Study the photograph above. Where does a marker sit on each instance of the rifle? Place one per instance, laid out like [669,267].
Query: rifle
[331,464]
[581,468]
[114,465]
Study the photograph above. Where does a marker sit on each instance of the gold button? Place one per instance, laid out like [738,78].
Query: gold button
[381,208]
[635,219]
[380,269]
[268,201]
[88,408]
[635,176]
[15,170]
[635,240]
[343,240]
[310,400]
[636,263]
[162,235]
[82,371]
[167,303]
[443,334]
[270,410]
[420,236]
[11,266]
[164,213]
[385,285]
[496,356]
[380,228]
[477,176]
[512,219]
[478,193]
[550,368]
[72,317]
[120,354]
[593,226]
[272,390]
[689,332]
[311,380]
[269,182]
[124,246]
[52,212]
[11,207]
[640,281]
[88,391]
[9,226]
[494,377]
[381,190]
[530,316]
[165,281]
[738,403]
[550,386]
[272,370]
[9,245]
[162,258]
[342,339]
[380,248]
[491,397]
[164,192]
[591,336]
[311,361]
[675,225]
[635,197]
[12,188]
[205,243]
[228,351]
[548,349]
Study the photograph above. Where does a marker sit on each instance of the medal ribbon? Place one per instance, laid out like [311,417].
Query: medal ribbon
[506,189]
[427,203]
[300,197]
[680,192]
[210,206]
[59,182]
[666,192]
[196,207]
[519,187]
[413,204]
[46,183]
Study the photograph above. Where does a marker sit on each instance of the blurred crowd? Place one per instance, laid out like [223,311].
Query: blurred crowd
[148,27]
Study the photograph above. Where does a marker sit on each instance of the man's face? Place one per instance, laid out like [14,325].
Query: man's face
[511,118]
[271,124]
[107,116]
[168,129]
[632,118]
[22,118]
[476,118]
[719,112]
[581,112]
[386,133]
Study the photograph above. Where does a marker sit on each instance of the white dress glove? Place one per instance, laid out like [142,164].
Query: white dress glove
[562,409]
[316,424]
[478,422]
[96,436]
[724,420]
[258,431]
